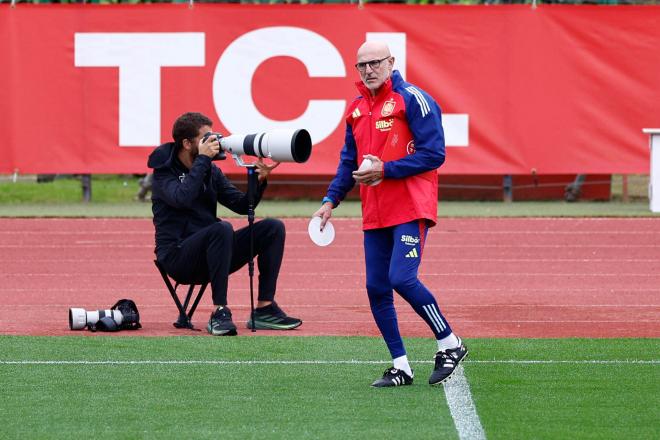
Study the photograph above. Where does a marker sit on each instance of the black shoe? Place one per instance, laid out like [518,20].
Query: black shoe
[220,323]
[446,363]
[271,317]
[393,378]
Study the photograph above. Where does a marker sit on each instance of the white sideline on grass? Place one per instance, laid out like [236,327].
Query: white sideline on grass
[462,408]
[313,362]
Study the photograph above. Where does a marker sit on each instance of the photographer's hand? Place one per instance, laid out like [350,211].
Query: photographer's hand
[210,147]
[264,169]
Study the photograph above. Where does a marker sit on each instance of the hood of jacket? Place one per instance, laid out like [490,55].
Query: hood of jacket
[162,156]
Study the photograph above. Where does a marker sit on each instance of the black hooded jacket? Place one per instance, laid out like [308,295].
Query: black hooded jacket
[185,201]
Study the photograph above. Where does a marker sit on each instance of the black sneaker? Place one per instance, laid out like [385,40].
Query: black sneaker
[220,323]
[446,363]
[271,317]
[393,378]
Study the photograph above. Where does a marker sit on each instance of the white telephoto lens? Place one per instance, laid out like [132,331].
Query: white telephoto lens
[233,144]
[93,317]
[80,318]
[77,319]
[281,145]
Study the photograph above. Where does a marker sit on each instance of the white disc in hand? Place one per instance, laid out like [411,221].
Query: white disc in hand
[321,238]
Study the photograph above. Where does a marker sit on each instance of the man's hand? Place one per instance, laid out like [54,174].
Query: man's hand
[210,147]
[264,169]
[325,212]
[372,175]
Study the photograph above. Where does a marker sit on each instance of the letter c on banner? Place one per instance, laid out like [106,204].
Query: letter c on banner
[232,80]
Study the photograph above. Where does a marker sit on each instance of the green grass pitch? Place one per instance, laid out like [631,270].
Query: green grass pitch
[318,388]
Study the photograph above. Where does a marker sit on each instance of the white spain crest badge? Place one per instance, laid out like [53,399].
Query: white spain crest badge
[410,148]
[388,107]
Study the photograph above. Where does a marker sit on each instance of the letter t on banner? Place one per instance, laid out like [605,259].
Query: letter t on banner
[139,57]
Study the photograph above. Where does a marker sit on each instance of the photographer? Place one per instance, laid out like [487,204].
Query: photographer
[193,244]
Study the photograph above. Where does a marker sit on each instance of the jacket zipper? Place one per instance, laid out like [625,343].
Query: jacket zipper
[372,103]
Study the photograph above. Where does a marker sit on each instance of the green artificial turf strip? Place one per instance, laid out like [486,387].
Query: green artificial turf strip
[551,401]
[114,195]
[105,188]
[514,400]
[207,401]
[305,208]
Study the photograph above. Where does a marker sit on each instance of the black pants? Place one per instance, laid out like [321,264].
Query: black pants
[217,250]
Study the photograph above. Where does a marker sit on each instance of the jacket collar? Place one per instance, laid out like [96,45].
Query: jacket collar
[394,79]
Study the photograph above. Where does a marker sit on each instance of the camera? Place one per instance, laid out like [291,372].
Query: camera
[80,318]
[124,315]
[281,145]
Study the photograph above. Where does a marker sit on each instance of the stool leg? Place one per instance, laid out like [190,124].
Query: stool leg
[185,318]
[199,297]
[187,301]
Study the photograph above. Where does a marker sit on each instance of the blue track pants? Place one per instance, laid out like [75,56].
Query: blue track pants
[392,257]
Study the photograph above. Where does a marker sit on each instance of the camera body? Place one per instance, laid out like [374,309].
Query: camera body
[221,154]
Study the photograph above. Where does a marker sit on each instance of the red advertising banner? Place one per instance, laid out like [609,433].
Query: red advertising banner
[557,89]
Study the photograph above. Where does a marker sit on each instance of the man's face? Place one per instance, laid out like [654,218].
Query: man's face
[375,67]
[192,144]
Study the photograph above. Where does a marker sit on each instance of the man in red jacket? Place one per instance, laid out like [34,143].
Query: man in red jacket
[397,127]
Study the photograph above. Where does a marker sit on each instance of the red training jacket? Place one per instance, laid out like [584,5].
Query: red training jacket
[402,126]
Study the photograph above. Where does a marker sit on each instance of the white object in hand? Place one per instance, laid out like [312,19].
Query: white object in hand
[367,165]
[324,237]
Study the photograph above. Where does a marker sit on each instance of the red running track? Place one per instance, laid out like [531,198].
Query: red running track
[545,277]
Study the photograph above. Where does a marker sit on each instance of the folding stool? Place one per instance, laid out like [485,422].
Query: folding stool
[185,315]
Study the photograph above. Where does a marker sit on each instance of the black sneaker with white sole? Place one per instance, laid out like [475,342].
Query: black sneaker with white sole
[271,317]
[446,363]
[393,378]
[221,324]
